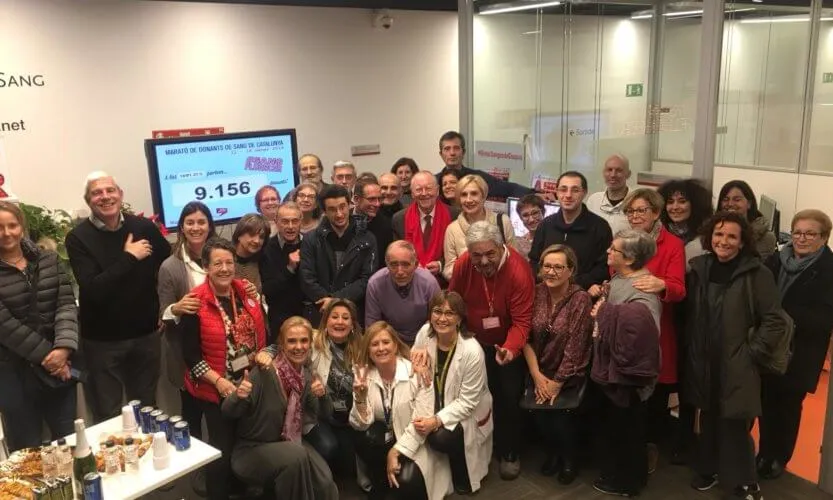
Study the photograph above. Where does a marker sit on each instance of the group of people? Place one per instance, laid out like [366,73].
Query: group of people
[393,330]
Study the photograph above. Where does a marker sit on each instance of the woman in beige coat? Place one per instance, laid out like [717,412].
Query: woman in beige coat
[472,192]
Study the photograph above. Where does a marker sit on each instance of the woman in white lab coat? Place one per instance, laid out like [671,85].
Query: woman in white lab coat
[386,403]
[462,424]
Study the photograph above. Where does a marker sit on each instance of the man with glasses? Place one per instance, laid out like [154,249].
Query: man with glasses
[344,174]
[337,258]
[575,226]
[400,292]
[391,194]
[279,269]
[424,222]
[367,204]
[498,287]
[607,204]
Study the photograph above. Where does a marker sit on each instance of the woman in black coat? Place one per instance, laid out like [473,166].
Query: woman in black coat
[804,271]
[38,336]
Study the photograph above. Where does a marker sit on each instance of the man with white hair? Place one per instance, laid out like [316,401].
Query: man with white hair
[497,284]
[344,174]
[400,292]
[607,204]
[115,258]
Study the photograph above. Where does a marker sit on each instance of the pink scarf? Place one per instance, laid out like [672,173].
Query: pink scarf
[292,381]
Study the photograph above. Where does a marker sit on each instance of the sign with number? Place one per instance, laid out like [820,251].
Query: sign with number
[633,90]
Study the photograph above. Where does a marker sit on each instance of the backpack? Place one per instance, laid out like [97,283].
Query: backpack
[778,359]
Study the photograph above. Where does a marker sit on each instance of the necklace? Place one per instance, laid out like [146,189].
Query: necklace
[14,262]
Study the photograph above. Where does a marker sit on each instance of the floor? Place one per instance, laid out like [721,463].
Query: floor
[669,482]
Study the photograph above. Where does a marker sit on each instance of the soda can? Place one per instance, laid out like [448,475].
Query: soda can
[136,405]
[182,436]
[174,419]
[92,487]
[153,416]
[163,424]
[144,419]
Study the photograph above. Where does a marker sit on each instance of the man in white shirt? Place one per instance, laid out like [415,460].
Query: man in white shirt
[607,204]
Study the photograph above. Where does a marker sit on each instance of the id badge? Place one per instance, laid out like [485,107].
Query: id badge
[339,406]
[491,322]
[240,363]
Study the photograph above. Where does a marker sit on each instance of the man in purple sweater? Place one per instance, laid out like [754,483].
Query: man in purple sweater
[399,293]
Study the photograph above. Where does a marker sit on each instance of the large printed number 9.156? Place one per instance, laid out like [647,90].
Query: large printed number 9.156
[222,190]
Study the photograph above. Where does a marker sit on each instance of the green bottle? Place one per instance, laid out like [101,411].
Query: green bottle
[83,459]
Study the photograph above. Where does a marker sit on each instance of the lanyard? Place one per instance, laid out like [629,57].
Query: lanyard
[441,377]
[228,321]
[387,404]
[490,299]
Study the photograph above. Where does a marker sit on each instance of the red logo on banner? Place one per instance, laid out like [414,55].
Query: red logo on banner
[187,132]
[222,211]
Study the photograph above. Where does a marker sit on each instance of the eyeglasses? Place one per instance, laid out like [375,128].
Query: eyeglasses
[448,313]
[422,190]
[302,196]
[558,268]
[614,249]
[643,211]
[808,235]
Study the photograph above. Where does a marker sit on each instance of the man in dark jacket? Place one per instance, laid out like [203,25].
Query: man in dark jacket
[279,269]
[367,203]
[453,151]
[577,227]
[116,259]
[337,258]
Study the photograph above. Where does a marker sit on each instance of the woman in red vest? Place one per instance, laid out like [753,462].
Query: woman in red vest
[219,344]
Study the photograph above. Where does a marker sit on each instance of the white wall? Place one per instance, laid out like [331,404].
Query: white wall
[115,71]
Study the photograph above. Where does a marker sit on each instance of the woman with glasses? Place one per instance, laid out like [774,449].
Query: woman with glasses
[219,344]
[665,279]
[472,192]
[737,196]
[455,367]
[625,362]
[803,270]
[304,196]
[267,200]
[558,353]
[530,209]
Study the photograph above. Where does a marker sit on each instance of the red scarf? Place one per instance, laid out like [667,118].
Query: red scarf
[413,231]
[292,381]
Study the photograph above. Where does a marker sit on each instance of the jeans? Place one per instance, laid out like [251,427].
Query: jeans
[26,403]
[120,367]
[336,444]
[506,383]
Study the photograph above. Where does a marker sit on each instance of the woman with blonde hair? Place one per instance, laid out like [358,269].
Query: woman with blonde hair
[336,347]
[472,192]
[386,403]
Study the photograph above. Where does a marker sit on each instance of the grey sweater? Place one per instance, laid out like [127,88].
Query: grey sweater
[622,291]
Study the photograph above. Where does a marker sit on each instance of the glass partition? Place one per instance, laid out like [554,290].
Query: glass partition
[820,153]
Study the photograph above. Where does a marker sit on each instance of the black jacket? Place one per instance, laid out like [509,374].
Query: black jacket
[319,276]
[281,286]
[381,229]
[498,188]
[589,236]
[20,338]
[809,302]
[743,337]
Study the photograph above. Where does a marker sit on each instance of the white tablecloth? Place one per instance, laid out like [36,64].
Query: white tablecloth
[130,485]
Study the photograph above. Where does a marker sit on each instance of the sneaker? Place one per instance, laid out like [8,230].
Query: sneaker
[510,467]
[609,488]
[749,492]
[704,483]
[653,457]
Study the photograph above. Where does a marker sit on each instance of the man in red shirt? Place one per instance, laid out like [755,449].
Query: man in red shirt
[498,287]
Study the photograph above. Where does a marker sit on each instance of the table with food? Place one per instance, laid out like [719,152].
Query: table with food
[118,459]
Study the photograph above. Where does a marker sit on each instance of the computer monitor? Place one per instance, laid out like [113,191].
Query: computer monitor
[518,224]
[769,208]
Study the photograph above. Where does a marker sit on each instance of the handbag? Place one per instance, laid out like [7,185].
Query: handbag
[569,398]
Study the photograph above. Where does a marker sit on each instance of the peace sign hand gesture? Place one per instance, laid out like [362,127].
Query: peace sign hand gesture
[360,383]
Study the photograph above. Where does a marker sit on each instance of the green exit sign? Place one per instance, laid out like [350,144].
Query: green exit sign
[827,78]
[633,90]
